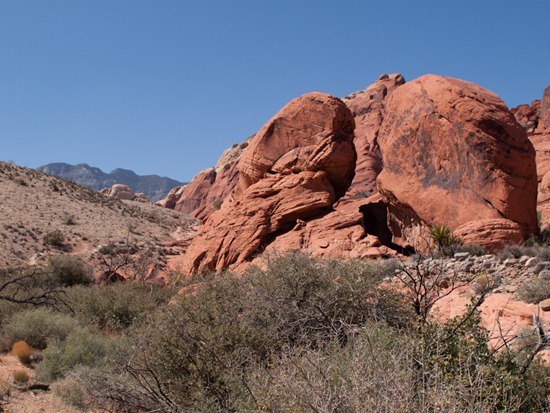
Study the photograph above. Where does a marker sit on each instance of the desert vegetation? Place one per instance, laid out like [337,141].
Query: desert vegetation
[301,335]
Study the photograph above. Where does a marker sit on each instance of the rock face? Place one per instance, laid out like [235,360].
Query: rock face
[295,168]
[205,193]
[454,155]
[368,109]
[535,119]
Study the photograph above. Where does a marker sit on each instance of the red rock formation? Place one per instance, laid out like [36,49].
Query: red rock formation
[296,167]
[454,155]
[535,119]
[368,109]
[205,193]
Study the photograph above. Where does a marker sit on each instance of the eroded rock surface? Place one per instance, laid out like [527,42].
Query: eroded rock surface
[368,109]
[295,168]
[454,155]
[206,192]
[535,119]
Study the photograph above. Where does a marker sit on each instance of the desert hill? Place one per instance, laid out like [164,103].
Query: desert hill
[34,205]
[154,186]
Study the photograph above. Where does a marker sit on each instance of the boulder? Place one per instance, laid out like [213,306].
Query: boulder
[120,191]
[294,169]
[454,155]
[311,133]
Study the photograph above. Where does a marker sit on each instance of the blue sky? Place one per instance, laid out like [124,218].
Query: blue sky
[163,87]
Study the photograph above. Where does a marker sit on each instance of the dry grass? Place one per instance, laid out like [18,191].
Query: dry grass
[22,351]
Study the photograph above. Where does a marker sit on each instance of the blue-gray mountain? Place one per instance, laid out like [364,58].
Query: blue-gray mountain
[154,186]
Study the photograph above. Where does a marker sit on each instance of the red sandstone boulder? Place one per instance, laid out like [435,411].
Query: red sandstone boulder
[295,168]
[535,119]
[454,155]
[312,133]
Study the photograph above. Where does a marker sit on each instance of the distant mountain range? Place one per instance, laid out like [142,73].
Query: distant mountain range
[154,186]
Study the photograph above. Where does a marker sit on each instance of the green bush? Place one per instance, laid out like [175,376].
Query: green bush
[80,348]
[534,291]
[68,270]
[225,324]
[54,238]
[117,306]
[38,327]
[443,237]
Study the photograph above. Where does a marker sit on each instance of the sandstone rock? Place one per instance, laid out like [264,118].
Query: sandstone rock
[119,191]
[342,233]
[172,198]
[313,133]
[368,109]
[545,305]
[203,195]
[454,155]
[536,121]
[294,169]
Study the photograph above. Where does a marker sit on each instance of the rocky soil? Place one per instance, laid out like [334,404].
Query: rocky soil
[33,205]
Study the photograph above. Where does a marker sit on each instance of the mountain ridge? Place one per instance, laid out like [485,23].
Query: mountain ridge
[154,186]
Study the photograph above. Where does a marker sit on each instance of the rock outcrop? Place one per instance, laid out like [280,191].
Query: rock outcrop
[368,109]
[454,155]
[124,192]
[535,119]
[295,168]
[206,192]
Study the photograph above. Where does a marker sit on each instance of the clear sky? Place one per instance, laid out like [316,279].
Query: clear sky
[164,86]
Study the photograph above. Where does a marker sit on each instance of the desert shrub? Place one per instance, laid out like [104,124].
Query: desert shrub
[534,291]
[21,376]
[371,373]
[117,306]
[80,348]
[54,238]
[517,251]
[204,341]
[68,270]
[71,389]
[38,327]
[443,237]
[22,351]
[217,203]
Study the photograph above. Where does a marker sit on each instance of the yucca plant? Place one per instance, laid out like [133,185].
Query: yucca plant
[443,237]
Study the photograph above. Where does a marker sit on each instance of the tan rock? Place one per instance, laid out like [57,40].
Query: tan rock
[119,191]
[545,305]
[453,154]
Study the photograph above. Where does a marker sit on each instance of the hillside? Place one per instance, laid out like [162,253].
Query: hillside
[154,186]
[33,205]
